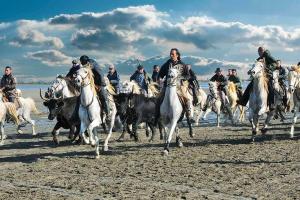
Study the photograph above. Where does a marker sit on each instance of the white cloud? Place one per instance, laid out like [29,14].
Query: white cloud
[51,58]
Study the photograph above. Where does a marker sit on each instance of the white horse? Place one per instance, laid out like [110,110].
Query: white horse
[63,87]
[10,109]
[258,104]
[233,97]
[171,109]
[89,110]
[294,89]
[132,87]
[213,102]
[202,96]
[24,107]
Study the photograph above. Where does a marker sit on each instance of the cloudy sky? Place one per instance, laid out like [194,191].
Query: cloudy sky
[40,38]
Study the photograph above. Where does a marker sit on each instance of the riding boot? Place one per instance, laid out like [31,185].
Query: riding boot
[271,96]
[104,100]
[245,97]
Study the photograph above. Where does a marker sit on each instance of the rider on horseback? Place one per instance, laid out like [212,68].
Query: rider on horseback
[237,81]
[141,78]
[222,82]
[98,79]
[8,84]
[185,71]
[270,64]
[73,69]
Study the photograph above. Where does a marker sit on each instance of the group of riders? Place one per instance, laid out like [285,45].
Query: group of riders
[159,75]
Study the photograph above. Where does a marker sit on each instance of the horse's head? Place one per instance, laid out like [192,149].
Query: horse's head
[172,77]
[293,79]
[275,75]
[257,69]
[83,76]
[57,86]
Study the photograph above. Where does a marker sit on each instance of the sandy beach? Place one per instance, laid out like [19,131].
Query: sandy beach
[218,163]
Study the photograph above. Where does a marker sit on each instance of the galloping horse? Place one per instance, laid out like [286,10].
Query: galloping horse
[89,110]
[213,102]
[171,110]
[294,89]
[258,99]
[233,97]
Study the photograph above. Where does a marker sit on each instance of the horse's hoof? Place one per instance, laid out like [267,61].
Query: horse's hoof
[151,140]
[34,134]
[105,148]
[192,135]
[165,153]
[97,157]
[180,144]
[20,132]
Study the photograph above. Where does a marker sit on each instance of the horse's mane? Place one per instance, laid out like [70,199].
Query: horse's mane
[71,86]
[295,68]
[154,88]
[231,87]
[90,76]
[135,87]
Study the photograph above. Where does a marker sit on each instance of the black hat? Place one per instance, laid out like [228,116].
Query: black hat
[234,70]
[218,70]
[140,67]
[84,59]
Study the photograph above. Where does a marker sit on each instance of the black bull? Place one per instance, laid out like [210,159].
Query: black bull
[135,109]
[66,112]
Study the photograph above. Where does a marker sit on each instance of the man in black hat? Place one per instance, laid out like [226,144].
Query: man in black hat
[140,76]
[222,82]
[98,79]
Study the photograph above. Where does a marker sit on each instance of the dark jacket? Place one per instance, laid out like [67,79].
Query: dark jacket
[270,60]
[114,78]
[142,79]
[164,70]
[236,80]
[282,74]
[98,76]
[155,77]
[73,71]
[221,79]
[8,83]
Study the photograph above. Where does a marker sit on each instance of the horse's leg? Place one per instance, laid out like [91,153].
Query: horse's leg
[170,134]
[267,121]
[2,132]
[83,128]
[255,126]
[28,119]
[296,108]
[111,125]
[208,110]
[134,129]
[90,129]
[198,117]
[178,138]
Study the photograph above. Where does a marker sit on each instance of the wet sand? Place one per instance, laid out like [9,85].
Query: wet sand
[218,163]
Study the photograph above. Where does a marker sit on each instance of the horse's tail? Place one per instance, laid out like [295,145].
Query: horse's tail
[12,111]
[32,105]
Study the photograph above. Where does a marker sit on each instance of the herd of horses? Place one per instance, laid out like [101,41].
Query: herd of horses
[80,111]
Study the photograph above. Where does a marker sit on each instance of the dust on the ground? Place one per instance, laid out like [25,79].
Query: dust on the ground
[218,163]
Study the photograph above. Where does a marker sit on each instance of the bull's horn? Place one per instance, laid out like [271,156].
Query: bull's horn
[45,99]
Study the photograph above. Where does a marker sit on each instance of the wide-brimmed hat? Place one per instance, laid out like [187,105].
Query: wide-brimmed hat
[218,70]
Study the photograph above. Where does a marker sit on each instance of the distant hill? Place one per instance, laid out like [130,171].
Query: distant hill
[203,67]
